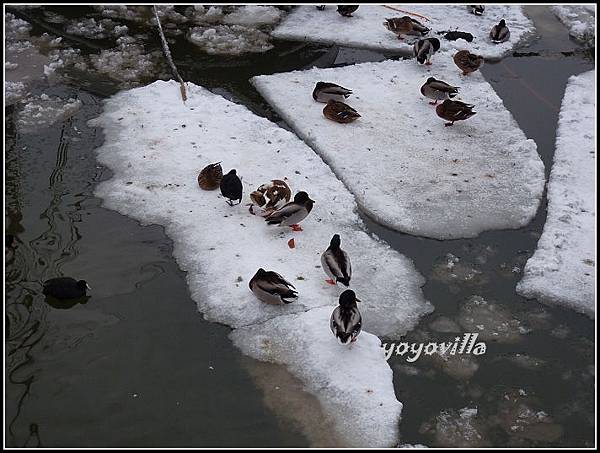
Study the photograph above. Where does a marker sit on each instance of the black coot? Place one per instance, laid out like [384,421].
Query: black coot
[231,187]
[65,288]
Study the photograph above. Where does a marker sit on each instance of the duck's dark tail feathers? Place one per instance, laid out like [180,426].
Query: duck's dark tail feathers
[344,281]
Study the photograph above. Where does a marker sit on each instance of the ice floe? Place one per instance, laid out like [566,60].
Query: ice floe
[351,383]
[562,269]
[156,145]
[365,29]
[579,19]
[407,170]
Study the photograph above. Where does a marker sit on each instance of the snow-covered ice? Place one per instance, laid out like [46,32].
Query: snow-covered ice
[407,170]
[156,146]
[579,19]
[353,384]
[365,29]
[562,269]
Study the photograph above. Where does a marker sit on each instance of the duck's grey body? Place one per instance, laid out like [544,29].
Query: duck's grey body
[425,48]
[346,320]
[326,91]
[500,32]
[438,90]
[272,288]
[292,213]
[336,262]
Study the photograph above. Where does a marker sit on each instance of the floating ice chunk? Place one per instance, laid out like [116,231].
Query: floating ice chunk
[132,13]
[45,110]
[520,417]
[253,15]
[129,62]
[366,30]
[156,145]
[200,14]
[562,269]
[405,168]
[452,428]
[14,28]
[579,19]
[229,39]
[491,321]
[8,66]
[13,92]
[160,187]
[353,384]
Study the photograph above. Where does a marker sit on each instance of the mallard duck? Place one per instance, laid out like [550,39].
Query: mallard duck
[438,90]
[454,111]
[65,288]
[467,62]
[425,48]
[272,288]
[476,9]
[346,10]
[321,7]
[231,187]
[336,263]
[291,214]
[405,25]
[499,33]
[346,321]
[270,196]
[210,176]
[327,91]
[340,112]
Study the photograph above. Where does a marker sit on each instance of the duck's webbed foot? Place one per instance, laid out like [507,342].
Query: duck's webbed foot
[330,281]
[296,227]
[449,124]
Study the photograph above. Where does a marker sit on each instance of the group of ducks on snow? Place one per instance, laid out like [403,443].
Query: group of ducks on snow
[437,90]
[272,201]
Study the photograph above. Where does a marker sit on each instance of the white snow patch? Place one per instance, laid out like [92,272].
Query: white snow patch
[353,384]
[562,269]
[405,168]
[156,146]
[365,29]
[579,19]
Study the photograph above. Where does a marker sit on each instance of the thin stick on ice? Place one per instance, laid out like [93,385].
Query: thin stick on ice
[407,12]
[168,56]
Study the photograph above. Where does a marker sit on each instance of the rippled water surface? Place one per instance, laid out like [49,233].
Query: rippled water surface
[136,365]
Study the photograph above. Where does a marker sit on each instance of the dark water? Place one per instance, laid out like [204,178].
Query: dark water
[137,366]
